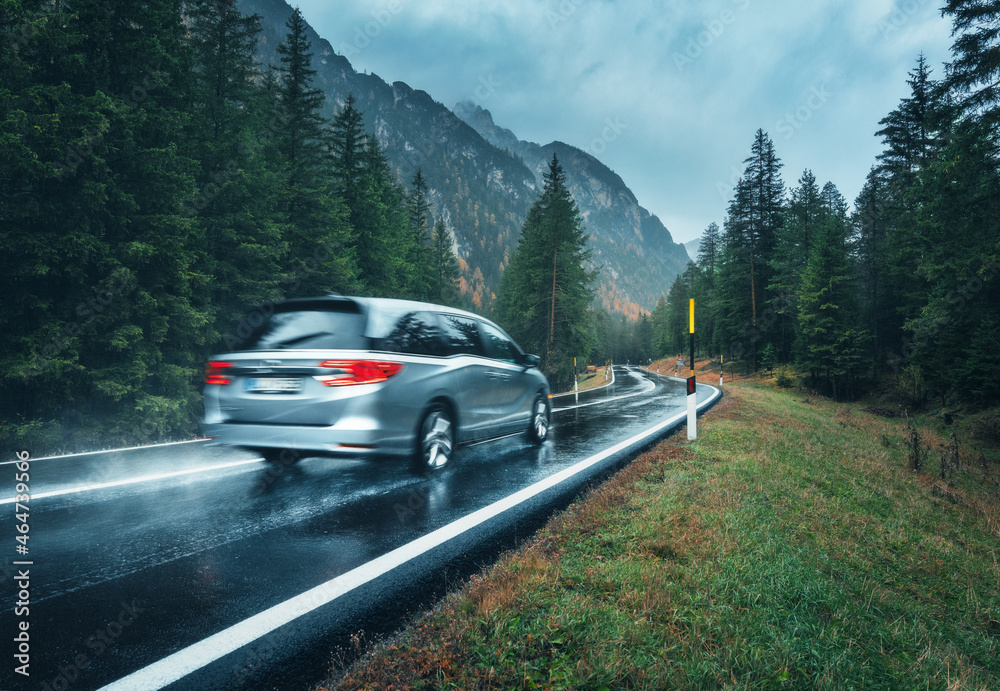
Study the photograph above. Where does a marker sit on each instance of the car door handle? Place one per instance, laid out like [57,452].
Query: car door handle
[498,375]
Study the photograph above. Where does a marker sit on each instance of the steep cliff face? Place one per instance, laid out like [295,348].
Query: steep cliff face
[483,179]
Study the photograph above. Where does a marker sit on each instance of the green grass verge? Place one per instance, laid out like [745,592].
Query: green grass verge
[788,547]
[586,381]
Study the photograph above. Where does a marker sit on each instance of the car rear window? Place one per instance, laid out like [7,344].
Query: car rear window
[334,327]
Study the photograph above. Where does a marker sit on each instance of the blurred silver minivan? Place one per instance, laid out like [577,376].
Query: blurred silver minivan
[371,376]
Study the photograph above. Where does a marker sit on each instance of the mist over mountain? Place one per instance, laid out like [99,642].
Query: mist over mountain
[692,248]
[483,179]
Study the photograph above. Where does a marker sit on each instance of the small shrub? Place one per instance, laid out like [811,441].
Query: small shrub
[768,357]
[986,427]
[910,386]
[783,379]
[915,452]
[950,462]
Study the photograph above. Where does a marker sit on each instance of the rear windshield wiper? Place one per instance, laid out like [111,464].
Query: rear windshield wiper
[285,344]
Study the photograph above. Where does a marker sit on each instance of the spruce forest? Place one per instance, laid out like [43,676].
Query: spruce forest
[156,183]
[902,291]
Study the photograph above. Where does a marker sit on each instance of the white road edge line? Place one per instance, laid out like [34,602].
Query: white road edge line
[608,400]
[133,480]
[94,453]
[192,658]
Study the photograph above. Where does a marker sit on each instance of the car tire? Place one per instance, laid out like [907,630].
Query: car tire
[541,420]
[435,439]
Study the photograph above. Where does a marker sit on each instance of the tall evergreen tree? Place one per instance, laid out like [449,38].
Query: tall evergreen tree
[708,248]
[384,241]
[906,131]
[418,208]
[732,307]
[545,291]
[766,212]
[957,236]
[755,216]
[703,290]
[443,287]
[678,307]
[348,141]
[870,222]
[237,184]
[911,145]
[974,73]
[793,247]
[661,329]
[831,343]
[322,254]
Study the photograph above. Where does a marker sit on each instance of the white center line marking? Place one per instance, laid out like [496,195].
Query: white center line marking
[133,480]
[94,453]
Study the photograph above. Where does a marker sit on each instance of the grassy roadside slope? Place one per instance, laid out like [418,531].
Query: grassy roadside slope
[788,547]
[585,381]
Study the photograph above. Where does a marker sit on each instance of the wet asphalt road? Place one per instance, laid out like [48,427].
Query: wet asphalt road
[138,555]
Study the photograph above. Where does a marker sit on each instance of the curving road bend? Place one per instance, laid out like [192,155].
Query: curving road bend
[188,566]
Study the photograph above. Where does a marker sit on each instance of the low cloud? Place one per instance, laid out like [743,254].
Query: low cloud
[564,67]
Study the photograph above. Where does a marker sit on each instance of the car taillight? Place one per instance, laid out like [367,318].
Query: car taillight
[214,373]
[359,371]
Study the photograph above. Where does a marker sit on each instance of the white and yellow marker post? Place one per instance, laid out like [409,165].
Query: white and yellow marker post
[576,384]
[692,386]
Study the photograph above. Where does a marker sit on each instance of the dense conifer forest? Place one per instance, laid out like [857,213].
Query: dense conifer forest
[904,286]
[155,183]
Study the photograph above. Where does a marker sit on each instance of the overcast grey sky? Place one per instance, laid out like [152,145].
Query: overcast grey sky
[667,93]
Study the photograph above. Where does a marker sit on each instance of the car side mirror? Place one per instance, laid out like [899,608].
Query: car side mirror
[532,361]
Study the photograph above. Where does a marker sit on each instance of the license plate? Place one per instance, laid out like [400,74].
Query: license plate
[272,385]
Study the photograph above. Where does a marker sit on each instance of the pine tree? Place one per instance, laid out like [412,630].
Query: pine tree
[418,209]
[703,290]
[907,136]
[974,73]
[751,227]
[732,307]
[319,231]
[793,247]
[958,226]
[870,222]
[444,267]
[237,184]
[545,290]
[708,248]
[911,145]
[384,241]
[678,307]
[830,342]
[661,331]
[348,141]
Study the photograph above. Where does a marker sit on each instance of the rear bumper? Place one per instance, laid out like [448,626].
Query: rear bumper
[356,438]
